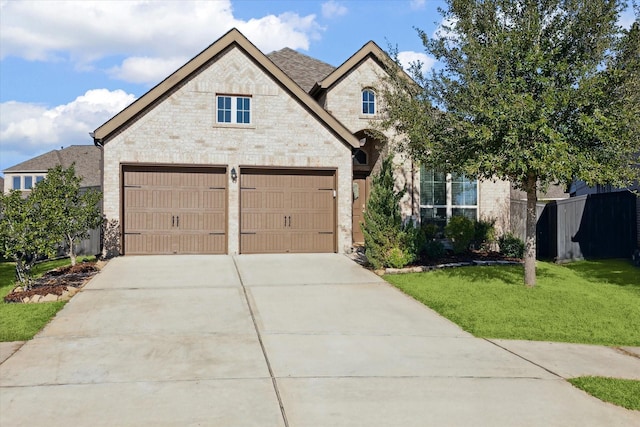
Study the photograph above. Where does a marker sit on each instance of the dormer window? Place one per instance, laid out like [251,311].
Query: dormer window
[368,102]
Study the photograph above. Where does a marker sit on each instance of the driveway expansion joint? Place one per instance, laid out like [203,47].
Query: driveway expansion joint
[525,359]
[262,347]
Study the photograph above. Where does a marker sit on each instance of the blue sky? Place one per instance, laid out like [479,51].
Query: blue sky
[67,67]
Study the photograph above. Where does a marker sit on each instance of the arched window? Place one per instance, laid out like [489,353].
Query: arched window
[368,102]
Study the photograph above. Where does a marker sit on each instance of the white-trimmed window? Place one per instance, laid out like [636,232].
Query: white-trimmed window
[368,102]
[443,195]
[17,183]
[233,109]
[28,182]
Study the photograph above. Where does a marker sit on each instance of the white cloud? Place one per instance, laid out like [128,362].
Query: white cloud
[145,69]
[25,127]
[417,4]
[333,9]
[407,58]
[159,31]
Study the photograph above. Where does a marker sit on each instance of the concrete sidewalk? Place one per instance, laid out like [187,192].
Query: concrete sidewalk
[283,340]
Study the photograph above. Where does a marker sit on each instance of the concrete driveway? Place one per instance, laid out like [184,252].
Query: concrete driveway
[272,340]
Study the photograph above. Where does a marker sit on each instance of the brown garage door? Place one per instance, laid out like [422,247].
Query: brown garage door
[174,210]
[287,211]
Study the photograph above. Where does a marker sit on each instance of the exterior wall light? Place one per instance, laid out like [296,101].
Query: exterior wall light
[234,175]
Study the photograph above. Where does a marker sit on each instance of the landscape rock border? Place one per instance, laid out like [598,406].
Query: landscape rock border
[423,268]
[60,284]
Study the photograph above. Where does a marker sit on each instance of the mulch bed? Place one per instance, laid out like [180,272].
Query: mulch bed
[470,256]
[57,281]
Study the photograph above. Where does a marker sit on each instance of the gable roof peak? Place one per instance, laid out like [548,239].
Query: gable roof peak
[232,38]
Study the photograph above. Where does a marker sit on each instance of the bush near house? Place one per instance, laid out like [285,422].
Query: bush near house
[387,242]
[511,246]
[460,230]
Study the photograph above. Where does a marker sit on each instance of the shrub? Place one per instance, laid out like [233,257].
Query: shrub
[413,240]
[484,233]
[430,230]
[387,242]
[460,231]
[511,246]
[398,258]
[434,249]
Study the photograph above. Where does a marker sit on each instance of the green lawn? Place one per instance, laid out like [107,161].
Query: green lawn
[620,392]
[20,322]
[590,302]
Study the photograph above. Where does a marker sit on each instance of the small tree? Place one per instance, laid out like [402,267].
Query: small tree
[387,242]
[25,233]
[76,212]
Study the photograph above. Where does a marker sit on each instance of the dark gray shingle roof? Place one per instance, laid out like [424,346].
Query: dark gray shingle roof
[303,69]
[86,158]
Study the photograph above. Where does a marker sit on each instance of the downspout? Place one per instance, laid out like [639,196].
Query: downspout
[100,145]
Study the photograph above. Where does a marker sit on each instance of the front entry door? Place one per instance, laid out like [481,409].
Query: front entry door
[361,187]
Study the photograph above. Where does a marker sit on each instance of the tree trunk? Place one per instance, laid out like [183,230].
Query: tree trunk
[530,235]
[72,251]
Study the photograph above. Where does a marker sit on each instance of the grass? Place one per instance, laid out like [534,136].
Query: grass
[20,322]
[625,393]
[590,302]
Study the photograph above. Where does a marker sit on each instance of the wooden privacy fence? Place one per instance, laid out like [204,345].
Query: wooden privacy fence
[593,226]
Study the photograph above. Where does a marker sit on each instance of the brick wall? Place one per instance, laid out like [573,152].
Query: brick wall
[182,130]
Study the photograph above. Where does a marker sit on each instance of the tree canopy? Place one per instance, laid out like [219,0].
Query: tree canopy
[531,91]
[33,226]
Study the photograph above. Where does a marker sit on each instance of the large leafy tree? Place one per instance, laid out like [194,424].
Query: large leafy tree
[531,91]
[74,211]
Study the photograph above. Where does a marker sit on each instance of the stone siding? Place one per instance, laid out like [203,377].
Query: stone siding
[182,130]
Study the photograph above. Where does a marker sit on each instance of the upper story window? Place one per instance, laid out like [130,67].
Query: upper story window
[28,182]
[368,102]
[233,109]
[16,183]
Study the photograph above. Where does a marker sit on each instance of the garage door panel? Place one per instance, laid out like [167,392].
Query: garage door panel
[140,244]
[214,222]
[312,221]
[214,199]
[262,243]
[189,199]
[284,211]
[136,197]
[161,199]
[174,210]
[309,242]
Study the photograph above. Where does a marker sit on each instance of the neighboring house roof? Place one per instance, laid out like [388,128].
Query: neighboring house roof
[85,157]
[231,39]
[304,70]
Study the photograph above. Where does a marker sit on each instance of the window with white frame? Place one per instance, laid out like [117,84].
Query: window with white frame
[443,195]
[368,102]
[17,183]
[233,109]
[28,182]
